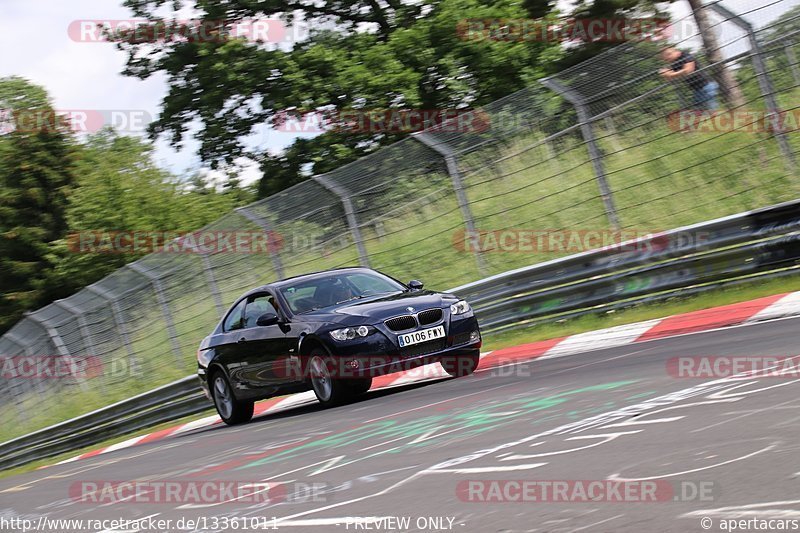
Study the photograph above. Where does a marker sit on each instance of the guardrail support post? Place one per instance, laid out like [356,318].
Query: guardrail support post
[591,143]
[162,301]
[349,212]
[264,224]
[764,81]
[458,187]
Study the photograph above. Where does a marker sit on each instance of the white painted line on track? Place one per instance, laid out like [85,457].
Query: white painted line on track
[617,477]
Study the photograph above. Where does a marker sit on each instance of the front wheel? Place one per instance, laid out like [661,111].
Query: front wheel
[328,389]
[359,386]
[460,365]
[231,410]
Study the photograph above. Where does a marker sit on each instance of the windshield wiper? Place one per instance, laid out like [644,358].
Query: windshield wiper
[349,300]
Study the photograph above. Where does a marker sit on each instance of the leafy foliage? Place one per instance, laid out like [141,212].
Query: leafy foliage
[359,55]
[53,184]
[37,172]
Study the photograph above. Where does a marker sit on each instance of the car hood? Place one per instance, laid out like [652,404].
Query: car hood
[383,307]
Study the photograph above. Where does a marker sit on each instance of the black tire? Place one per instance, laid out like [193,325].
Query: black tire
[230,410]
[327,388]
[460,365]
[359,386]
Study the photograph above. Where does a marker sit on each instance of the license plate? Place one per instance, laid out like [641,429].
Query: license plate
[421,336]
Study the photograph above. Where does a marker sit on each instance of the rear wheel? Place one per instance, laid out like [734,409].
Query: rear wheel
[460,365]
[231,410]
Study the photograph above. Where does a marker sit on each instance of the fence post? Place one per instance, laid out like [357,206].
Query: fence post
[155,281]
[591,143]
[458,186]
[265,224]
[764,81]
[55,339]
[11,337]
[116,313]
[86,335]
[212,284]
[349,212]
[208,269]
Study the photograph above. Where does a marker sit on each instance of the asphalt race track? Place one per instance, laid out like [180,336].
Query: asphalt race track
[427,457]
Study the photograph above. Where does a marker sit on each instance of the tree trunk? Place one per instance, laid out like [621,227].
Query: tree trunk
[728,85]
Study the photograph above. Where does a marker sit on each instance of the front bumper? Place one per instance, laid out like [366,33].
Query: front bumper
[381,365]
[380,354]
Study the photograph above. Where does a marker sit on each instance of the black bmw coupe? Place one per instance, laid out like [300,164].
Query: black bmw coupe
[331,332]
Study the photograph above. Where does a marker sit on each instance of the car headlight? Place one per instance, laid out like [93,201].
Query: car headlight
[459,308]
[346,334]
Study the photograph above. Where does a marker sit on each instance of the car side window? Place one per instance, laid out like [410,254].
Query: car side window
[257,306]
[234,319]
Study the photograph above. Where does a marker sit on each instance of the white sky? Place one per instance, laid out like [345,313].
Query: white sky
[34,44]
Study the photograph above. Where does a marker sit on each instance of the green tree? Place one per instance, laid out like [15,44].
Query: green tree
[53,187]
[120,188]
[37,173]
[362,55]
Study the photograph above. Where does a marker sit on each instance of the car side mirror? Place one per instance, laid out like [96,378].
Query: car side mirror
[267,319]
[415,285]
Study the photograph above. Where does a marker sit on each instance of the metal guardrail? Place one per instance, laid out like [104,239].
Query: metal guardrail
[753,244]
[163,404]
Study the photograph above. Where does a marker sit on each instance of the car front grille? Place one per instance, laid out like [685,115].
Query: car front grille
[423,348]
[429,316]
[401,323]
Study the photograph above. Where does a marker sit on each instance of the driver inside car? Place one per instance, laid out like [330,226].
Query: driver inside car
[341,293]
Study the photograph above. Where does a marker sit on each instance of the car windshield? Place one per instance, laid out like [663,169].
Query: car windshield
[336,288]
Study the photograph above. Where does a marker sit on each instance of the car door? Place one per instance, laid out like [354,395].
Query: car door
[226,345]
[263,349]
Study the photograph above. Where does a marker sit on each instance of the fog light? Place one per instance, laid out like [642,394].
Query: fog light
[352,364]
[474,336]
